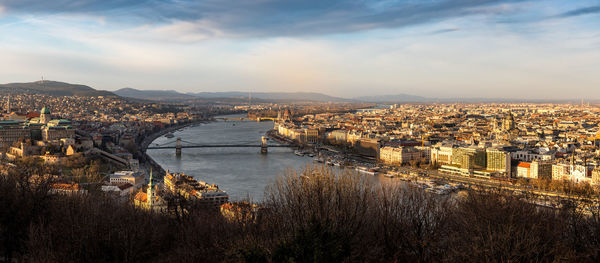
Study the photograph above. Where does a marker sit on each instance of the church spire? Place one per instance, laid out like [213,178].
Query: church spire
[150,195]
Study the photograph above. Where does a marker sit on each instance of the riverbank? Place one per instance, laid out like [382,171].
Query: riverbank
[431,178]
[273,135]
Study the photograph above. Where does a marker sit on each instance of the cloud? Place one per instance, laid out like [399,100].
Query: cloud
[71,5]
[253,18]
[581,11]
[445,30]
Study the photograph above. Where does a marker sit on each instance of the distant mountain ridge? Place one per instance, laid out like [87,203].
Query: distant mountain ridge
[152,94]
[170,95]
[394,98]
[58,88]
[405,98]
[55,88]
[295,96]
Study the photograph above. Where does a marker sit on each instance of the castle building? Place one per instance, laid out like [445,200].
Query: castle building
[37,128]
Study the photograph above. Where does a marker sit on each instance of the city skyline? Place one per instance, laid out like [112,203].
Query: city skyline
[443,49]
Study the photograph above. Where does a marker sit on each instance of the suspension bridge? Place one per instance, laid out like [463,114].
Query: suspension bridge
[247,118]
[180,144]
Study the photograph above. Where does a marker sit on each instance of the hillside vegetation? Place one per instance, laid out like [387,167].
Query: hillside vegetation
[55,88]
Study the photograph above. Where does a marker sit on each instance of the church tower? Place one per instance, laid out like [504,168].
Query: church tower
[8,105]
[508,123]
[150,194]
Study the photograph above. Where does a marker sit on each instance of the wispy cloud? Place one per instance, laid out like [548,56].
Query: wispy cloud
[346,47]
[71,5]
[265,17]
[581,11]
[445,30]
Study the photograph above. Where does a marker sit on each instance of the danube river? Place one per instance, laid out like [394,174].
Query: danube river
[242,172]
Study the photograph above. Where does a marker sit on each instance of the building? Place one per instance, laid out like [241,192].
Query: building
[311,135]
[580,173]
[561,171]
[508,123]
[476,157]
[191,189]
[498,161]
[150,200]
[468,161]
[596,176]
[12,131]
[401,155]
[541,170]
[337,137]
[524,170]
[137,179]
[57,130]
[122,190]
[37,128]
[529,156]
[442,155]
[45,115]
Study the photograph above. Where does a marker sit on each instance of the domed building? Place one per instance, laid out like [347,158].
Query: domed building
[508,124]
[45,115]
[37,128]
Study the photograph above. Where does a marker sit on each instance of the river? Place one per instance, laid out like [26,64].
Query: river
[242,172]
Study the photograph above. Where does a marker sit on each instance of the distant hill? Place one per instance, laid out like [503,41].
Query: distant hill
[158,95]
[394,98]
[405,98]
[171,95]
[55,88]
[272,96]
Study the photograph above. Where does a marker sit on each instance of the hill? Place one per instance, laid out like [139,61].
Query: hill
[171,95]
[272,96]
[159,95]
[55,88]
[394,98]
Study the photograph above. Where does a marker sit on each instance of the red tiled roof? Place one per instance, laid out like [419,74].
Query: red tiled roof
[32,115]
[141,196]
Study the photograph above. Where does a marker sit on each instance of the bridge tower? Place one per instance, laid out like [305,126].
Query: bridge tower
[263,145]
[178,147]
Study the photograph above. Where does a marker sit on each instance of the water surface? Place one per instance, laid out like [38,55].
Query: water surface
[242,172]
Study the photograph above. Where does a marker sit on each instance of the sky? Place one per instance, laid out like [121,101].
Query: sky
[433,48]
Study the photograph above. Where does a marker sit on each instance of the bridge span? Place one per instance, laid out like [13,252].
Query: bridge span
[218,146]
[247,118]
[179,146]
